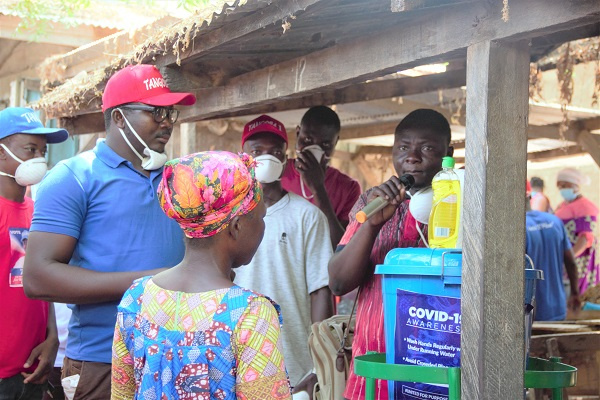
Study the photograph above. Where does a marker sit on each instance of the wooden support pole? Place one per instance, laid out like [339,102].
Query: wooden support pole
[492,359]
[187,142]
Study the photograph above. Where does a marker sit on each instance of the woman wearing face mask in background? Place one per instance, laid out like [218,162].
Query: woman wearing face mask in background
[579,215]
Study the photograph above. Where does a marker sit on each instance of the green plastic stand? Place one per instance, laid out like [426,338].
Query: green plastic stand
[540,374]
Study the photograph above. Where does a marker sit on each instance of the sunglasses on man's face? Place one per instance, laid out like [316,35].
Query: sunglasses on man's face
[159,113]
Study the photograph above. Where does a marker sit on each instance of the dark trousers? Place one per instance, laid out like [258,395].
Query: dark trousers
[13,388]
[55,390]
[94,379]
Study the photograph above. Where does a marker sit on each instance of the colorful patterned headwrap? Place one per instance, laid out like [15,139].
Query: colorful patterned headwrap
[204,191]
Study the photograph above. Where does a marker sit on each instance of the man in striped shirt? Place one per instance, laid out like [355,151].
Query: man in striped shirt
[421,140]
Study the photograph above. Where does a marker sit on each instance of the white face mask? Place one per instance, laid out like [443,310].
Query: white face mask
[153,160]
[29,172]
[268,168]
[420,204]
[316,151]
[319,154]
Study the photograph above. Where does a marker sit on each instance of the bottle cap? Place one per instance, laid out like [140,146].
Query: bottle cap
[447,162]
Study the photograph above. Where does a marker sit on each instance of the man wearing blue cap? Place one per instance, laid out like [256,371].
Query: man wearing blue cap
[29,337]
[97,224]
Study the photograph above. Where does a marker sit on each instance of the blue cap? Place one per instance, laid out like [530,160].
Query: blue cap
[24,120]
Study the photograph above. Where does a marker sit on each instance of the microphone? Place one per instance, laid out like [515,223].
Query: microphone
[379,202]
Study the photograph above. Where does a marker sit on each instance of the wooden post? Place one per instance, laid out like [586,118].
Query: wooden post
[492,358]
[188,138]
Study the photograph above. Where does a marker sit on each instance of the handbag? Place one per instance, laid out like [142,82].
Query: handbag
[330,346]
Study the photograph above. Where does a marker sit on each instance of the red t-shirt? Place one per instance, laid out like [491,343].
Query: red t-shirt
[342,190]
[23,321]
[398,231]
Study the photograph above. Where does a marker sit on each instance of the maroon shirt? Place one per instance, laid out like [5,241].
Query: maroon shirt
[342,190]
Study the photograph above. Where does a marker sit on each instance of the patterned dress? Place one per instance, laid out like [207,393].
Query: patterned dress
[221,344]
[399,231]
[580,218]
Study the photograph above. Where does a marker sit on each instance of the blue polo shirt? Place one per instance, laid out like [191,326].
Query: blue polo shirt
[547,241]
[112,210]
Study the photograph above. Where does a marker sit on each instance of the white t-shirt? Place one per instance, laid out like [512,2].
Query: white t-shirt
[63,315]
[291,262]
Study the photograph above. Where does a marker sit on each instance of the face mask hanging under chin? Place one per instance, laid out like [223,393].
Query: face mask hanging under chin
[28,172]
[153,160]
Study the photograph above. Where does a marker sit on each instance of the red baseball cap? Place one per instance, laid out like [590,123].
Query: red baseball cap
[264,123]
[141,83]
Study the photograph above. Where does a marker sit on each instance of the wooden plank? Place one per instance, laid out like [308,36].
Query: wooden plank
[365,91]
[442,35]
[494,221]
[555,153]
[591,144]
[81,124]
[57,34]
[568,342]
[559,328]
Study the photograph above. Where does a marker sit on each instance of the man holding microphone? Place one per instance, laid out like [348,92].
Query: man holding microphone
[421,140]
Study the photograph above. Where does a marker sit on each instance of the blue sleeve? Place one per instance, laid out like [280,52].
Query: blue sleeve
[61,203]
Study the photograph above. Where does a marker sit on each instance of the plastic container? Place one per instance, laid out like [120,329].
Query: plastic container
[422,317]
[444,220]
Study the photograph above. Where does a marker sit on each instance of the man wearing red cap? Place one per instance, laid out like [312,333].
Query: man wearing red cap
[290,265]
[97,225]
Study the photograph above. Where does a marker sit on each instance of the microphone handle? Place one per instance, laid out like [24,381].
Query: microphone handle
[376,205]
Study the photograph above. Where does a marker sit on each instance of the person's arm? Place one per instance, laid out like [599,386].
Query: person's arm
[349,267]
[255,380]
[321,304]
[584,241]
[574,301]
[45,352]
[48,276]
[313,176]
[59,216]
[122,373]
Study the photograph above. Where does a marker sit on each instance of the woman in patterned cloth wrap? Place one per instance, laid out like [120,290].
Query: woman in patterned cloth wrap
[189,332]
[580,216]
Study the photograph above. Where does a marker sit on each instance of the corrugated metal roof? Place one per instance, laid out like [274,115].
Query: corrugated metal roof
[100,13]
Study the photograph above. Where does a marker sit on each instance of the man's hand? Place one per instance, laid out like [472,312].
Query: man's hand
[574,302]
[391,190]
[45,353]
[307,384]
[310,170]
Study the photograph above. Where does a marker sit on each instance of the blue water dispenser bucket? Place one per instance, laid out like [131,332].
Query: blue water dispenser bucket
[422,315]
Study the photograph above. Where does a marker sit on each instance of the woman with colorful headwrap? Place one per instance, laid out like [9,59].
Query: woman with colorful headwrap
[580,217]
[189,332]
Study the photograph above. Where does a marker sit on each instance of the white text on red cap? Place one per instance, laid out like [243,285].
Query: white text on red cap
[152,83]
[254,125]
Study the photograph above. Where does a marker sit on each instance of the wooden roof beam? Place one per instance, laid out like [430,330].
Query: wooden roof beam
[56,34]
[233,30]
[590,143]
[444,34]
[374,90]
[555,153]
